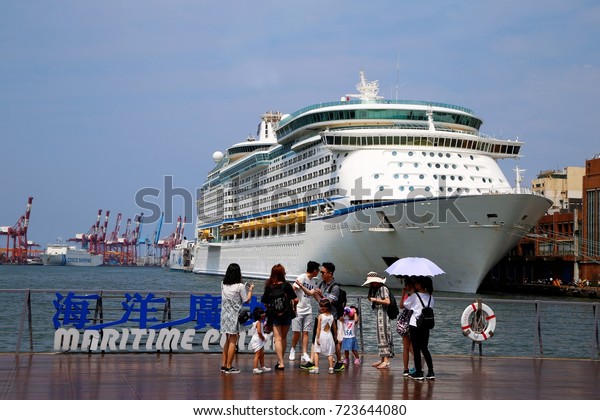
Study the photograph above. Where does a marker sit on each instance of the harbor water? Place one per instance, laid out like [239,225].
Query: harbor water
[526,325]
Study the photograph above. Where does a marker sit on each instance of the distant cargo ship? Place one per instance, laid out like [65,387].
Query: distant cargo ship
[58,254]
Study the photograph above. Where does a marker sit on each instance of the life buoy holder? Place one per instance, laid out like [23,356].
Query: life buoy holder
[480,329]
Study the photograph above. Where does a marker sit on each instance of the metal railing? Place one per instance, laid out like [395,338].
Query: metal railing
[529,328]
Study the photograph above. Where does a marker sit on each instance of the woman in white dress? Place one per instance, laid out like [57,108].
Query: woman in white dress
[233,296]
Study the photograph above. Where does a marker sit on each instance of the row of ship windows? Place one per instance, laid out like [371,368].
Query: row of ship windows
[442,177]
[293,199]
[479,145]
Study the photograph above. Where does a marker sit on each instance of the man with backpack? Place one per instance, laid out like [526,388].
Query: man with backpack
[327,288]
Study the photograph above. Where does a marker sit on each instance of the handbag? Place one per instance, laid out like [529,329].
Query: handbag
[402,325]
[244,316]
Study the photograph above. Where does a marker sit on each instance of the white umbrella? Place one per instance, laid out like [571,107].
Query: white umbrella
[414,266]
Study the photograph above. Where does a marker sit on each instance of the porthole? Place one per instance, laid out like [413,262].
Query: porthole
[453,166]
[477,168]
[446,165]
[429,164]
[424,153]
[447,155]
[410,153]
[449,189]
[443,177]
[437,165]
[394,153]
[471,157]
[460,178]
[381,188]
[431,154]
[416,164]
[421,176]
[400,165]
[405,176]
[376,176]
[396,176]
[452,177]
[435,177]
[411,188]
[401,188]
[427,189]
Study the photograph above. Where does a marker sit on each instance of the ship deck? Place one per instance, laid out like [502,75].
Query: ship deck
[155,376]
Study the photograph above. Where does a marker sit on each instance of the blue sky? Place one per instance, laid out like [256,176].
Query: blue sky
[101,99]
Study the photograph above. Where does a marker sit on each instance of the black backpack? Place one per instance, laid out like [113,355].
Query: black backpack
[341,301]
[279,303]
[426,319]
[392,309]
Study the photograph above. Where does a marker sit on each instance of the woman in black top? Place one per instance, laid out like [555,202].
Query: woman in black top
[280,300]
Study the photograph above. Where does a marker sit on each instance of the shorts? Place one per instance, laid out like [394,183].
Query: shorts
[282,320]
[302,323]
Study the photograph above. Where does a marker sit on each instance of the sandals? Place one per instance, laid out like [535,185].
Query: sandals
[384,365]
[376,364]
[279,367]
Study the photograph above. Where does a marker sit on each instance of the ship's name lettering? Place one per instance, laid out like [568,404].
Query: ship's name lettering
[335,226]
[79,260]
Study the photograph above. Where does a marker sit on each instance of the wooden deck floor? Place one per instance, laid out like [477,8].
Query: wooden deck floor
[197,377]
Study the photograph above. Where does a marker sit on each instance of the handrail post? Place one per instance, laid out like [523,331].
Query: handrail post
[360,329]
[538,327]
[595,336]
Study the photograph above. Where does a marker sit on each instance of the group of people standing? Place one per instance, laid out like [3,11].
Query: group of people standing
[289,306]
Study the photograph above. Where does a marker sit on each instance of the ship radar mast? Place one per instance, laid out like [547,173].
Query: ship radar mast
[518,179]
[368,89]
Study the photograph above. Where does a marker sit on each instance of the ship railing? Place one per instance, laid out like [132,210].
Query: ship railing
[374,101]
[525,327]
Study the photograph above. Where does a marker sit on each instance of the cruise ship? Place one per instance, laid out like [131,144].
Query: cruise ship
[361,182]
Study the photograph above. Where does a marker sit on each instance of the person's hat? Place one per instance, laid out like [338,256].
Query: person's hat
[373,277]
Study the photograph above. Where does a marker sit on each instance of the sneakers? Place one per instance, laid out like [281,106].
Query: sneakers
[406,373]
[308,366]
[231,370]
[330,370]
[338,367]
[417,375]
[265,369]
[409,371]
[314,370]
[356,362]
[223,369]
[257,371]
[345,361]
[292,354]
[430,376]
[305,358]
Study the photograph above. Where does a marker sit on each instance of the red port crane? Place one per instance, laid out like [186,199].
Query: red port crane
[18,233]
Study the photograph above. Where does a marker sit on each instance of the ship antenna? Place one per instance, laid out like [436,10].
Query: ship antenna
[397,75]
[518,178]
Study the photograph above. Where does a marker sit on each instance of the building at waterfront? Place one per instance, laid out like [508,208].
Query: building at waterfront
[565,243]
[563,187]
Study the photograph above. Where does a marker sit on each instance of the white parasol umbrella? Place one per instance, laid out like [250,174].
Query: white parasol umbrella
[414,266]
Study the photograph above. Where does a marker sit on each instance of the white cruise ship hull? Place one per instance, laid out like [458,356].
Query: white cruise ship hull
[466,236]
[73,258]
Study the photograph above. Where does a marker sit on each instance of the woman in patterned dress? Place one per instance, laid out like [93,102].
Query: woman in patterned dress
[379,295]
[233,296]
